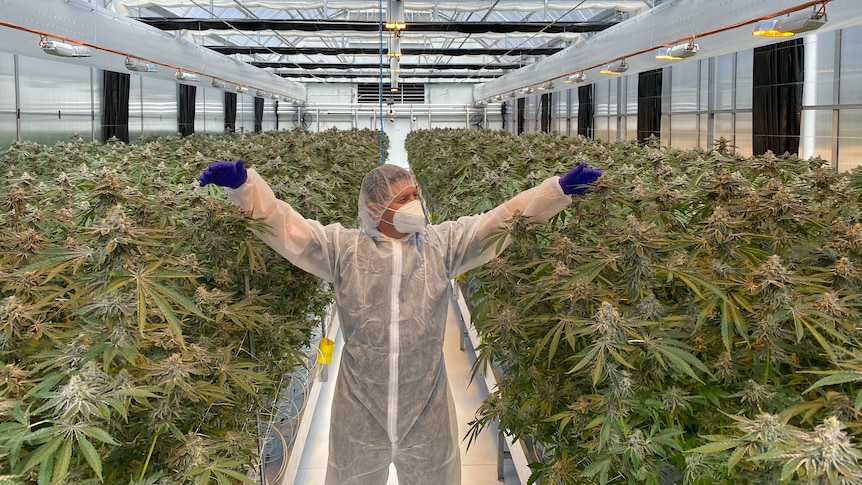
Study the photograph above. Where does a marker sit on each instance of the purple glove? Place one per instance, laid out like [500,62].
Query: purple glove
[225,174]
[578,179]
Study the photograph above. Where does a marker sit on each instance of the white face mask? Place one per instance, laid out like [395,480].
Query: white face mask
[408,218]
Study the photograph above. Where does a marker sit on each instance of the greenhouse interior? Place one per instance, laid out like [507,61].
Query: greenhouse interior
[617,242]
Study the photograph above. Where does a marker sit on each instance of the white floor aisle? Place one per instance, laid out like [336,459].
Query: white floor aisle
[478,465]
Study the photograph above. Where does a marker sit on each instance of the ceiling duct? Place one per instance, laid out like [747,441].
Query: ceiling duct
[662,26]
[112,38]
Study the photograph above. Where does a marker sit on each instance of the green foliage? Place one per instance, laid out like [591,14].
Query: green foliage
[142,325]
[685,296]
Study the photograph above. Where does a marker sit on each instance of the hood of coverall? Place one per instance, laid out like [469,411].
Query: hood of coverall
[377,192]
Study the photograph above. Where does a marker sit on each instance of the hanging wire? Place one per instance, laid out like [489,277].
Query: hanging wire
[380,88]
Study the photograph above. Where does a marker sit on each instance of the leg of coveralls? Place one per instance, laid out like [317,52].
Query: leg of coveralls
[359,448]
[429,454]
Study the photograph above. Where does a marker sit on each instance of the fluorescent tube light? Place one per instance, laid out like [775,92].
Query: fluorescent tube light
[546,86]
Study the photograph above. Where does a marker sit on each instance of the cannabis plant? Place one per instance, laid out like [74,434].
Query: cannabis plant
[143,328]
[689,298]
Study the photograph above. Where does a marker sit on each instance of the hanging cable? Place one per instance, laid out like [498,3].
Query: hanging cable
[380,89]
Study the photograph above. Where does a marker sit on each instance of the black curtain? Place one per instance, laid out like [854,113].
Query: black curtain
[586,112]
[546,112]
[258,115]
[649,104]
[115,106]
[187,109]
[229,111]
[522,115]
[504,106]
[777,103]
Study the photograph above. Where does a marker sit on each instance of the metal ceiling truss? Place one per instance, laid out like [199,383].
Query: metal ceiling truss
[403,66]
[303,25]
[371,51]
[330,38]
[344,75]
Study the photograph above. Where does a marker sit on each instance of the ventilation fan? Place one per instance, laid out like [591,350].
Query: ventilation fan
[302,119]
[477,121]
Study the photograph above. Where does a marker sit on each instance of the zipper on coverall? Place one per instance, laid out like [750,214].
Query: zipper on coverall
[394,346]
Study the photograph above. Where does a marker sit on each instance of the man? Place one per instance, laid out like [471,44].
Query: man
[392,402]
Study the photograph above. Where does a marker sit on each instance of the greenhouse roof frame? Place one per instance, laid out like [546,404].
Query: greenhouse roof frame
[488,38]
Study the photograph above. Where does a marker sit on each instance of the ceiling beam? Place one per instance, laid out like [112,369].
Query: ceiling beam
[342,65]
[401,75]
[357,26]
[406,51]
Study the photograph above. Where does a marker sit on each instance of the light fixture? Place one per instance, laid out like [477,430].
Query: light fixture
[679,51]
[396,16]
[394,25]
[187,76]
[260,93]
[546,86]
[526,90]
[498,97]
[393,81]
[138,65]
[62,49]
[575,78]
[241,89]
[792,23]
[394,65]
[513,94]
[394,47]
[617,67]
[218,84]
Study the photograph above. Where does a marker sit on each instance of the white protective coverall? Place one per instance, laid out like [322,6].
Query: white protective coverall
[392,402]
